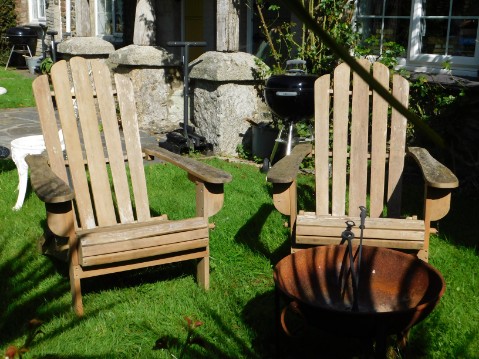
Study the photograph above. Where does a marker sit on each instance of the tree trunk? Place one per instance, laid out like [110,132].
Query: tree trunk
[227,21]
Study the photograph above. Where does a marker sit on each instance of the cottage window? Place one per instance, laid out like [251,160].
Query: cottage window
[109,14]
[37,11]
[433,31]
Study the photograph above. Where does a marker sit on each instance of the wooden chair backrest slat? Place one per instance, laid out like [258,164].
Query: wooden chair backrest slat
[358,176]
[93,146]
[368,143]
[48,122]
[321,151]
[378,144]
[127,103]
[109,121]
[66,112]
[341,105]
[397,149]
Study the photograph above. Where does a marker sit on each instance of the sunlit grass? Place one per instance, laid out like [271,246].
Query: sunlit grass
[19,89]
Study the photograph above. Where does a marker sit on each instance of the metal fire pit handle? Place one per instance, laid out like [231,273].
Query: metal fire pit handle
[294,307]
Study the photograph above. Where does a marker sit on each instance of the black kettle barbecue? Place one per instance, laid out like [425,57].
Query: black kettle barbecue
[21,38]
[290,96]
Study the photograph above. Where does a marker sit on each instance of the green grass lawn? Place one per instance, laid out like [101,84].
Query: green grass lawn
[127,313]
[19,89]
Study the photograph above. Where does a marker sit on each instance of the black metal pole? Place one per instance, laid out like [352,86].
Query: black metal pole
[186,45]
[186,88]
[53,50]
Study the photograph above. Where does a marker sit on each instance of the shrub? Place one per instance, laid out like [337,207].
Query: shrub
[8,19]
[287,40]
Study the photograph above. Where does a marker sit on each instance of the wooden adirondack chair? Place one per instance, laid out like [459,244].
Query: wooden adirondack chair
[108,225]
[366,153]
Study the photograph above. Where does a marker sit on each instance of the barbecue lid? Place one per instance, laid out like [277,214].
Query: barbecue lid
[295,78]
[291,81]
[21,31]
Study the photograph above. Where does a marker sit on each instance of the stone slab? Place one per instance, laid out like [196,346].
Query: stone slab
[137,55]
[228,67]
[85,46]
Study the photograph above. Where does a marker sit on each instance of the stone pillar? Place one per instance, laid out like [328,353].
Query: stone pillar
[158,85]
[144,32]
[227,92]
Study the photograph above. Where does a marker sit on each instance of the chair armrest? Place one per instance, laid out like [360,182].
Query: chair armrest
[46,184]
[199,170]
[286,170]
[435,174]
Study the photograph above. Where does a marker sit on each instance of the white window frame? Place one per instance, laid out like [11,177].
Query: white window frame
[414,53]
[417,61]
[114,34]
[35,8]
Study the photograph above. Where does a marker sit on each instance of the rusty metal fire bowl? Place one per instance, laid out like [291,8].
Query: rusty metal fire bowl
[395,290]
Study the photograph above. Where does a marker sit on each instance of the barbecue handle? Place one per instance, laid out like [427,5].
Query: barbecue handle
[286,93]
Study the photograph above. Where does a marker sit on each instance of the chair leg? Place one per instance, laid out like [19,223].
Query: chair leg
[75,288]
[423,254]
[203,272]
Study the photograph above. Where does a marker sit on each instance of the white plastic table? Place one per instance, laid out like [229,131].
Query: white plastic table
[20,148]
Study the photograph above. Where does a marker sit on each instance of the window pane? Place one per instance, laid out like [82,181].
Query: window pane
[370,28]
[397,30]
[370,7]
[465,8]
[462,39]
[436,7]
[104,21]
[118,16]
[398,8]
[41,9]
[434,40]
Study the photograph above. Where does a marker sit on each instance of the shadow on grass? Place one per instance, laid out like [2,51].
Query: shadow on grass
[202,347]
[17,276]
[458,226]
[7,165]
[31,288]
[134,278]
[249,235]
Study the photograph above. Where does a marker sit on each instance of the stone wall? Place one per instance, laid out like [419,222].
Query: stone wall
[21,8]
